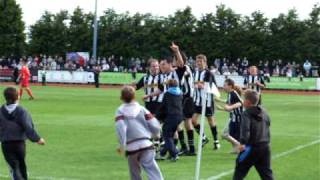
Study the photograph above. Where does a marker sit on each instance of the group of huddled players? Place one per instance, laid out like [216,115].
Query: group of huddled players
[173,98]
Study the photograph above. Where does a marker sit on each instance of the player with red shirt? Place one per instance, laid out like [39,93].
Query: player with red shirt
[24,79]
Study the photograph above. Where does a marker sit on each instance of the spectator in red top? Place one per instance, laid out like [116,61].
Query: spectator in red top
[81,61]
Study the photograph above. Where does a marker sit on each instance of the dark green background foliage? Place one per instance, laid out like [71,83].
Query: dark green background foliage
[222,33]
[12,37]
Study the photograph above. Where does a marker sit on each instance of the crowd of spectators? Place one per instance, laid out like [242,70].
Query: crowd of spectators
[119,64]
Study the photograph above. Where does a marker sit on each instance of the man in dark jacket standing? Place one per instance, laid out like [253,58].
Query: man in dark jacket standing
[15,127]
[254,139]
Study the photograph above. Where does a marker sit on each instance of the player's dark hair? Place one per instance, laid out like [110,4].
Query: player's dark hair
[11,95]
[172,83]
[166,55]
[168,59]
[231,83]
[252,96]
[127,94]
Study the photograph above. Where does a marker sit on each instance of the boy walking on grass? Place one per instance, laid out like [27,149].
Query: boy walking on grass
[254,139]
[15,127]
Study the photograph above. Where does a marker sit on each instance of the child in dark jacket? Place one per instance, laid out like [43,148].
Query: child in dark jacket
[171,112]
[254,139]
[15,128]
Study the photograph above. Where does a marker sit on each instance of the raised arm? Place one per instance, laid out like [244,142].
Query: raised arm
[176,51]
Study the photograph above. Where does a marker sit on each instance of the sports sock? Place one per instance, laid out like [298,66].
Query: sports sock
[214,133]
[181,139]
[190,140]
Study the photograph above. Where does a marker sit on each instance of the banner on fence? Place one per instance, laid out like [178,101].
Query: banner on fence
[118,78]
[6,74]
[293,83]
[66,76]
[126,78]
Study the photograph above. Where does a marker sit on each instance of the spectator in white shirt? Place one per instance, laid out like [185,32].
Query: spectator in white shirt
[53,65]
[307,68]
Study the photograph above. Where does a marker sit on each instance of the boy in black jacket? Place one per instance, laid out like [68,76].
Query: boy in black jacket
[171,112]
[254,139]
[15,127]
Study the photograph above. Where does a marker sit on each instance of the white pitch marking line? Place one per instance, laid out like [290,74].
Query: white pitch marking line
[285,153]
[295,135]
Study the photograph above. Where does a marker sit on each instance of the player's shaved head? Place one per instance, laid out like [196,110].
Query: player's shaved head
[127,94]
[251,97]
[11,95]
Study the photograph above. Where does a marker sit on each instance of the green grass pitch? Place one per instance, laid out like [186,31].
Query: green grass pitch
[78,125]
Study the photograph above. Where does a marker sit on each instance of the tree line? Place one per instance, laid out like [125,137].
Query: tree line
[223,33]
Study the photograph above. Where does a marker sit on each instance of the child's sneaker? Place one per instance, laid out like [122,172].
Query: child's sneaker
[175,158]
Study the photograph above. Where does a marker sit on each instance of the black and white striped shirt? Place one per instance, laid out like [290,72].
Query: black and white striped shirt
[187,82]
[176,74]
[151,84]
[250,82]
[233,98]
[200,77]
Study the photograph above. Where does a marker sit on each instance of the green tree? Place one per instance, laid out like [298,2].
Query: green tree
[310,40]
[254,36]
[226,23]
[12,36]
[181,29]
[49,35]
[286,30]
[80,31]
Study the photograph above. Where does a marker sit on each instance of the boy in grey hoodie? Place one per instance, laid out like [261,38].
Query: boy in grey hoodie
[135,128]
[15,127]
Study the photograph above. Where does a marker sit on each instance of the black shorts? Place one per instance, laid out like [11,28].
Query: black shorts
[209,110]
[153,107]
[188,108]
[234,129]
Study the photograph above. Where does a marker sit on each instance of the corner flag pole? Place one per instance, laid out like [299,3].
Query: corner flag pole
[208,89]
[203,111]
